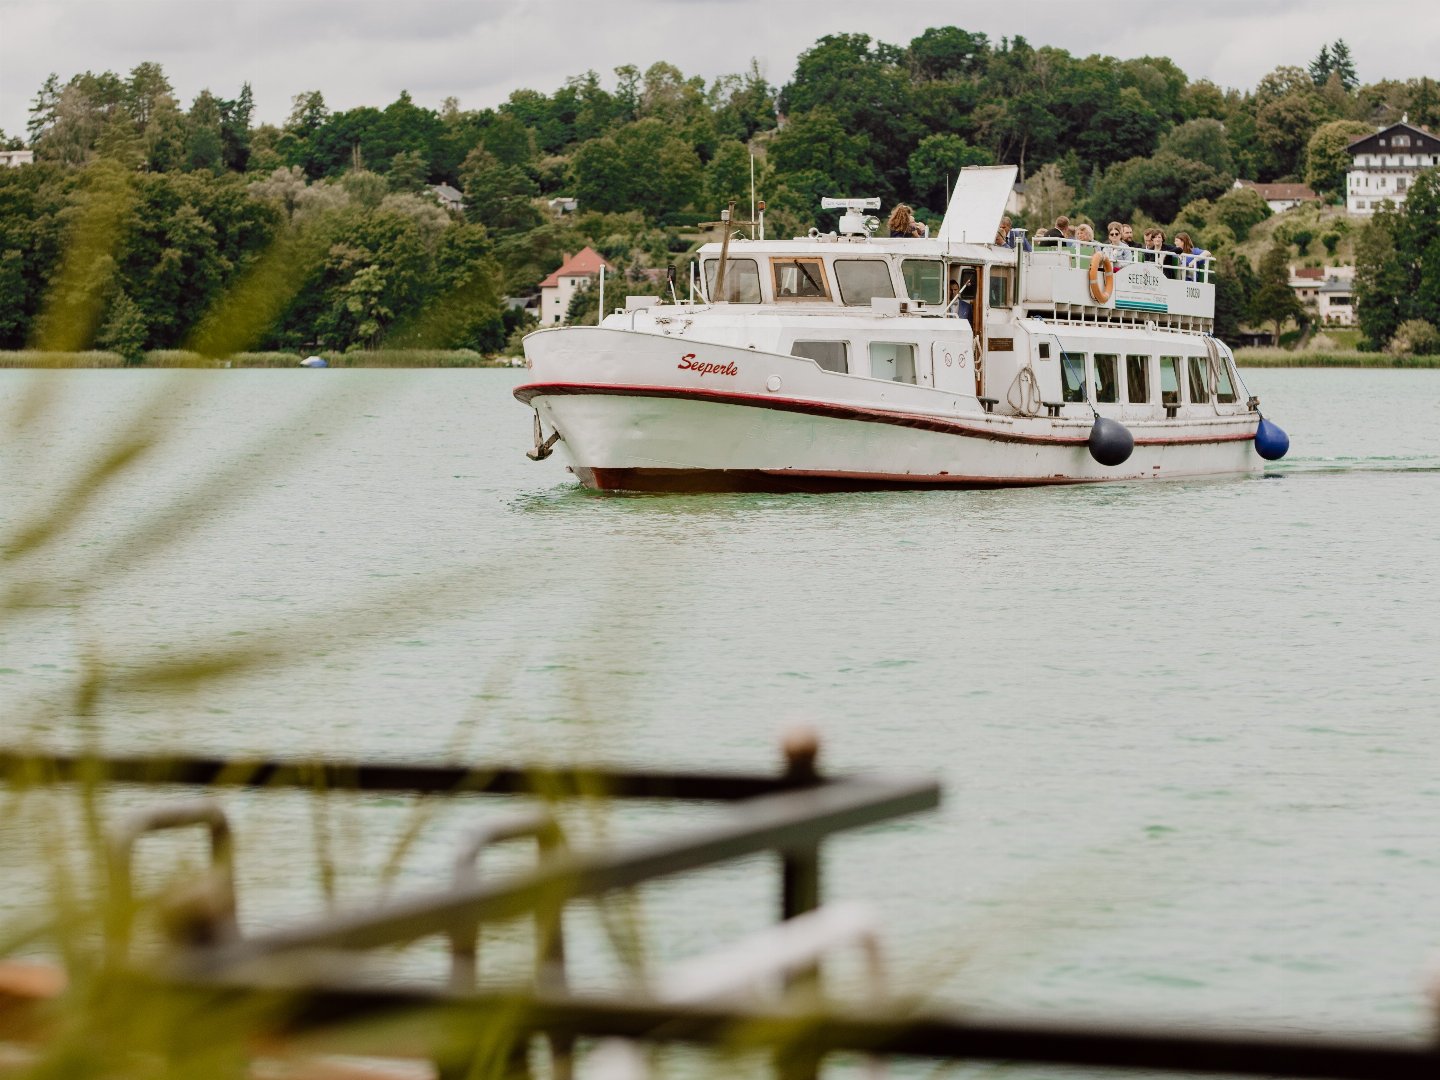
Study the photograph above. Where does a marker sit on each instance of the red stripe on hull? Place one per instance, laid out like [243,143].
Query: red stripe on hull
[921,422]
[785,481]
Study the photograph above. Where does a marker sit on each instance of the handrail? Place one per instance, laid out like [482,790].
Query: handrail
[1176,265]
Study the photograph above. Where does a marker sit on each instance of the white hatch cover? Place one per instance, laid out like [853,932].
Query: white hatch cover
[975,210]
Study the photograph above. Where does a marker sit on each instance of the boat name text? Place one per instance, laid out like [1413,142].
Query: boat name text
[689,363]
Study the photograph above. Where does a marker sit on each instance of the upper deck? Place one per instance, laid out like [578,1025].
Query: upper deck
[1060,280]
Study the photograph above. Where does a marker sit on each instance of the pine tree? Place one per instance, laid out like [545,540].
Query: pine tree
[1343,65]
[1321,66]
[43,108]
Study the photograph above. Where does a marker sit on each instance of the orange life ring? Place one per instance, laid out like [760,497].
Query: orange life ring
[1102,277]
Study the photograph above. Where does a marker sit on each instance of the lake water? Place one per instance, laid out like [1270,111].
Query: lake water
[1187,730]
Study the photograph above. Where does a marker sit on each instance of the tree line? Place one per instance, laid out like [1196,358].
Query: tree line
[143,221]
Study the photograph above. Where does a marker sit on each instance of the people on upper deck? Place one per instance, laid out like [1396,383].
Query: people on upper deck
[1062,226]
[1194,261]
[1116,248]
[1157,251]
[1005,235]
[1083,246]
[1127,234]
[903,223]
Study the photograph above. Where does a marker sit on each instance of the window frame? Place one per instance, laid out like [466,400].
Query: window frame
[1114,385]
[914,379]
[1170,397]
[844,344]
[840,285]
[1144,369]
[999,274]
[1197,365]
[939,264]
[1070,361]
[709,280]
[778,261]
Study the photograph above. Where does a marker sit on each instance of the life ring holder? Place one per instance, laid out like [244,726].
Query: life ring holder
[1102,277]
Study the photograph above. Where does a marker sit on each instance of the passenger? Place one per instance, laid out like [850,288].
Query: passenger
[1115,246]
[1084,245]
[903,223]
[962,294]
[1062,227]
[1127,235]
[1157,251]
[1195,261]
[1005,235]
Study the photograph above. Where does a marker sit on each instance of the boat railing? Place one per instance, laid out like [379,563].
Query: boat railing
[1173,264]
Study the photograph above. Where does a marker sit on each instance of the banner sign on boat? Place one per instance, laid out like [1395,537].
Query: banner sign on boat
[1140,287]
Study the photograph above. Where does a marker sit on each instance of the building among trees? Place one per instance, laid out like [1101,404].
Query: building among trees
[1328,292]
[576,272]
[1280,197]
[1385,163]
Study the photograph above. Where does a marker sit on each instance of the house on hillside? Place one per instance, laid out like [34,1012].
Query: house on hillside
[13,159]
[1280,197]
[562,205]
[1385,164]
[449,198]
[1328,293]
[576,272]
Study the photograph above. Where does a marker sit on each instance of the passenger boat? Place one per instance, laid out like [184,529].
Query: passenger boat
[832,362]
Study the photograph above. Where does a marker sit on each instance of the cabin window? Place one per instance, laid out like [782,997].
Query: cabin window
[1137,378]
[742,280]
[800,279]
[1199,380]
[860,280]
[1072,376]
[830,355]
[924,280]
[1000,282]
[1225,388]
[1170,380]
[1107,378]
[892,360]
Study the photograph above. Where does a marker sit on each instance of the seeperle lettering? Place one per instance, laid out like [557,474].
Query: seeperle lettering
[689,363]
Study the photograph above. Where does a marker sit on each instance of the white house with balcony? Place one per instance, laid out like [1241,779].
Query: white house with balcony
[13,159]
[1385,164]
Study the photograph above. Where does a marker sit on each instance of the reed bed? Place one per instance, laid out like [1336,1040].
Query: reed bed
[1279,358]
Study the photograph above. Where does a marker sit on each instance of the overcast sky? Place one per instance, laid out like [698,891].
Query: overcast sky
[364,52]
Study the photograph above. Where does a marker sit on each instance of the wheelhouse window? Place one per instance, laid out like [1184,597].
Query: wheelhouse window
[800,279]
[1224,385]
[742,280]
[892,360]
[860,280]
[1072,376]
[1170,380]
[924,280]
[1199,380]
[1137,379]
[1107,378]
[1001,286]
[830,355]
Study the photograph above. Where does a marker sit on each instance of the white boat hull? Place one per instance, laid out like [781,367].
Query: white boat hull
[645,412]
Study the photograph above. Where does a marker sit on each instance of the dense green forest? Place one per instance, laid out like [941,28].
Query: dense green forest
[146,225]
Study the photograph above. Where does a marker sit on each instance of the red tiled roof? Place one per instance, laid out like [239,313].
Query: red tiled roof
[586,263]
[1281,191]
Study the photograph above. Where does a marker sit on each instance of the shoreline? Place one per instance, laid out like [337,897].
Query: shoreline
[421,359]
